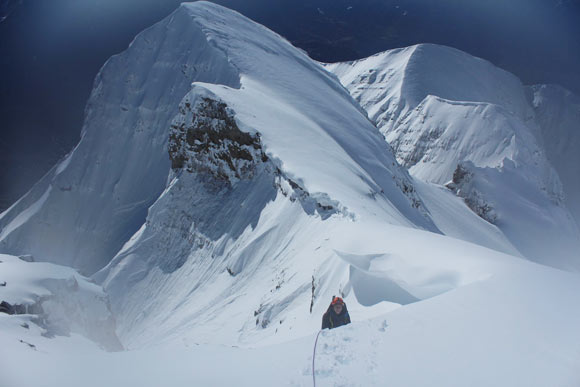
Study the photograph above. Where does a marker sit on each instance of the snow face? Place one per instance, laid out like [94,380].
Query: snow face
[25,215]
[441,109]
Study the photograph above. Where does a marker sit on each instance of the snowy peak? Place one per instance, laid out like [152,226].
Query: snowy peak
[102,190]
[305,108]
[394,82]
[457,76]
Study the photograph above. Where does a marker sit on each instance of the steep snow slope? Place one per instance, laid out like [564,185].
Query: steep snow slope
[450,117]
[558,115]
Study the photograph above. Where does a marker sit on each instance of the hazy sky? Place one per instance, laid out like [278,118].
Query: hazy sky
[51,50]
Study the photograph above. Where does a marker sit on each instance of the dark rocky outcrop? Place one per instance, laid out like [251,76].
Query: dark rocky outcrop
[206,138]
[463,186]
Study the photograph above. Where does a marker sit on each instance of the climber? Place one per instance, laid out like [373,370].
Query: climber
[336,315]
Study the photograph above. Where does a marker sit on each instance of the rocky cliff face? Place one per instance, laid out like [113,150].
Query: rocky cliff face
[206,138]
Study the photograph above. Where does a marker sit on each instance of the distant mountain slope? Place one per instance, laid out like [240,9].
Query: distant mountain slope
[453,118]
[392,83]
[557,113]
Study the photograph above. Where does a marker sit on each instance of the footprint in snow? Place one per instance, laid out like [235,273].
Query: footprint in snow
[383,326]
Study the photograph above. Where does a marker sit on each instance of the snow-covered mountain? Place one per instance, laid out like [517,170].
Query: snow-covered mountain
[262,125]
[226,186]
[453,118]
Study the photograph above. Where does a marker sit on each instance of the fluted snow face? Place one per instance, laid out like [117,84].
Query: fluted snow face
[85,208]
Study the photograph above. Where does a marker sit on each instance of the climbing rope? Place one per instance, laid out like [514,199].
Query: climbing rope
[313,358]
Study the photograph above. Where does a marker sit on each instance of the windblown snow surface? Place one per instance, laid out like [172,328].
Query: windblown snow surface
[230,186]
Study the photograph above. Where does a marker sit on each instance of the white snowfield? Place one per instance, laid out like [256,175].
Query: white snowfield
[278,193]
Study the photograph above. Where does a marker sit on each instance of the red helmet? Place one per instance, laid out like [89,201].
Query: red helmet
[337,300]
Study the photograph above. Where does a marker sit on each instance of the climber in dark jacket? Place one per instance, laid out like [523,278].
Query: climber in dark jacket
[336,315]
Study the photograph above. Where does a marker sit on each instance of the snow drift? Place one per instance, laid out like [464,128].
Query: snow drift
[55,301]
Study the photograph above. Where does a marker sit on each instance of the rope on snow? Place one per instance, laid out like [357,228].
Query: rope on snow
[313,358]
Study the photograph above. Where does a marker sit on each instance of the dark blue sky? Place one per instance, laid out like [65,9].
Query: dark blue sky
[51,50]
